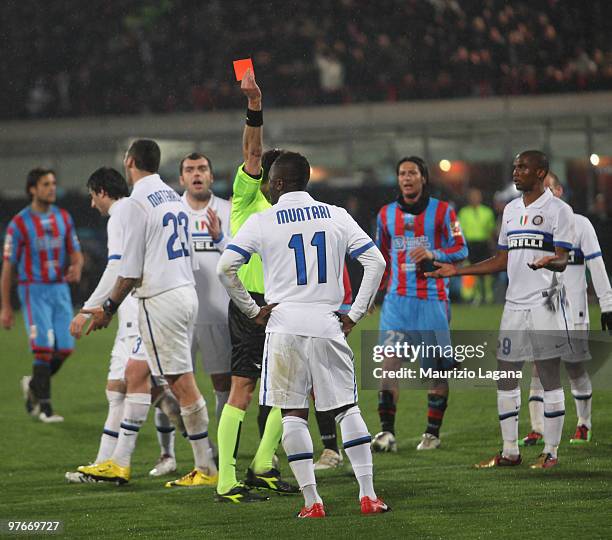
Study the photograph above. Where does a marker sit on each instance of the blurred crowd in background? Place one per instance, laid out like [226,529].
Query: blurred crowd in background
[116,57]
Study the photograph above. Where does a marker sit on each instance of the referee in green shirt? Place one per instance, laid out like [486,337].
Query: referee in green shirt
[248,337]
[479,226]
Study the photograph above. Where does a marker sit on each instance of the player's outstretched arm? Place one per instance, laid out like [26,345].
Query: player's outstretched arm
[6,315]
[102,291]
[252,139]
[497,263]
[555,263]
[227,272]
[601,284]
[101,317]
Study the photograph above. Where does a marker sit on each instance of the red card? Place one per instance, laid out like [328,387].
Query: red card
[240,67]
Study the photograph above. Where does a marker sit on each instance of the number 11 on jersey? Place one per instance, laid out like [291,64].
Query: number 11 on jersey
[297,245]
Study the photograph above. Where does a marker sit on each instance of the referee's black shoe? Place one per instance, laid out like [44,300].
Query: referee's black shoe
[240,494]
[270,480]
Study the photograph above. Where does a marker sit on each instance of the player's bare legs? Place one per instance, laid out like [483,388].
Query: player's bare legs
[195,418]
[582,391]
[222,383]
[241,392]
[261,468]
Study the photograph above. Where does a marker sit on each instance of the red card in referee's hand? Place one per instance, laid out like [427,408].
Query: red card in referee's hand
[240,67]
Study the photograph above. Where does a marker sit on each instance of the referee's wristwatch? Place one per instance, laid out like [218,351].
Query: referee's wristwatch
[110,307]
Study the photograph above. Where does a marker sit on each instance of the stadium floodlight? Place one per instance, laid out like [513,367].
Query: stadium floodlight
[445,165]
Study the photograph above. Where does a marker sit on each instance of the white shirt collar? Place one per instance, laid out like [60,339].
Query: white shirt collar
[295,196]
[209,205]
[540,201]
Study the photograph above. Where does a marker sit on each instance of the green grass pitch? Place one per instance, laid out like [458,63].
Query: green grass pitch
[433,495]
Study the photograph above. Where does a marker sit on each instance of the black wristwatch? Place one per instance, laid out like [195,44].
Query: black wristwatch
[110,307]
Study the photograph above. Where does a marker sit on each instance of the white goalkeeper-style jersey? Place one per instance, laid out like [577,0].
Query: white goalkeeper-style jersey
[156,246]
[586,252]
[529,233]
[212,296]
[128,310]
[302,243]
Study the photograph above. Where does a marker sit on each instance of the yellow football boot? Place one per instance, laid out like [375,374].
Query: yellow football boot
[194,479]
[107,471]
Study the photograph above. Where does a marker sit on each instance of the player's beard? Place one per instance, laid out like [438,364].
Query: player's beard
[202,196]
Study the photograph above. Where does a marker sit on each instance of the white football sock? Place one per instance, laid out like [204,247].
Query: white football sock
[536,405]
[135,409]
[508,406]
[554,414]
[171,408]
[195,417]
[356,440]
[582,390]
[165,433]
[298,447]
[108,441]
[220,401]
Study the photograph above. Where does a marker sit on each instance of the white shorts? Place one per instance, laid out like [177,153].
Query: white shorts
[532,334]
[579,341]
[166,325]
[213,342]
[124,348]
[296,366]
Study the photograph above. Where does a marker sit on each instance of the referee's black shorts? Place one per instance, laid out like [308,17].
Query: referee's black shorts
[247,340]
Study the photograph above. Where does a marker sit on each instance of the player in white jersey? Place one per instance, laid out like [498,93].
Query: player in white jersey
[302,244]
[585,252]
[157,264]
[128,388]
[537,233]
[210,233]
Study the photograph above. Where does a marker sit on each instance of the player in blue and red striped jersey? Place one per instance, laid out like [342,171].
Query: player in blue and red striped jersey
[412,232]
[42,247]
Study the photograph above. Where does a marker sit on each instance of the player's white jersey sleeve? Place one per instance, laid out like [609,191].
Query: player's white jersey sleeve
[358,240]
[128,310]
[564,230]
[502,240]
[594,260]
[114,234]
[157,244]
[248,239]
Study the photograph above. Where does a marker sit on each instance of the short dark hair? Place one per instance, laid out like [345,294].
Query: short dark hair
[146,154]
[194,156]
[419,162]
[34,176]
[109,180]
[293,168]
[267,160]
[539,157]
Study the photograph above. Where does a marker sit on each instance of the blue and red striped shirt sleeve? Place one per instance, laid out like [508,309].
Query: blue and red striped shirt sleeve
[450,246]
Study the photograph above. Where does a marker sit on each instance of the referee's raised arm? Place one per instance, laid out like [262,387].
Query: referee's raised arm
[252,145]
